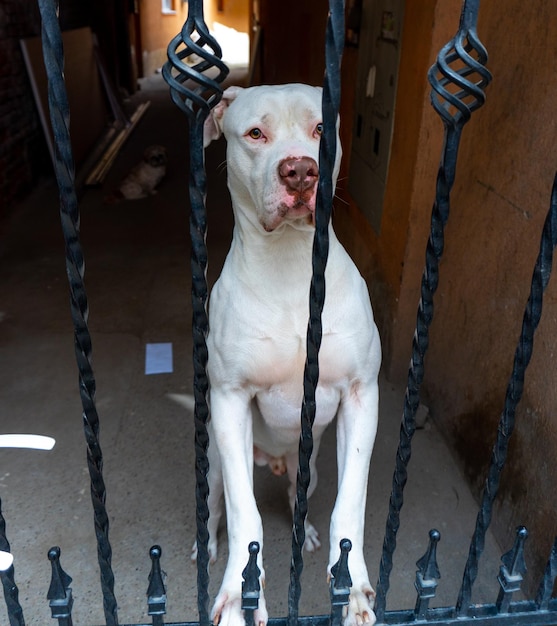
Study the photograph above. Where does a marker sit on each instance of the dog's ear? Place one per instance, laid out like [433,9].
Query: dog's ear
[212,128]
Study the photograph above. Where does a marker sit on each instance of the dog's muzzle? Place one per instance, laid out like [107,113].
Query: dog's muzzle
[298,174]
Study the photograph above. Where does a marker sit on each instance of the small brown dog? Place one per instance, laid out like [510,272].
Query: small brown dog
[143,178]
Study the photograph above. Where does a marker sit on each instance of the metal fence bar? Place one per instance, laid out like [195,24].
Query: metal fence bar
[340,584]
[456,92]
[195,99]
[327,151]
[156,592]
[531,319]
[251,586]
[11,592]
[59,593]
[512,571]
[69,215]
[427,576]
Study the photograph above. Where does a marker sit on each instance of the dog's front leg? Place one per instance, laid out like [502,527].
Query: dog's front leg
[356,429]
[232,425]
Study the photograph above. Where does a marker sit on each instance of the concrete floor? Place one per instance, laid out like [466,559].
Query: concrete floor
[137,279]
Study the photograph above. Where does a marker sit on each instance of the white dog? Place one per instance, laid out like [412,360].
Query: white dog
[258,324]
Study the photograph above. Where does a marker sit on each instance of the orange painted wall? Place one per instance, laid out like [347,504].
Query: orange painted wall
[158,29]
[234,13]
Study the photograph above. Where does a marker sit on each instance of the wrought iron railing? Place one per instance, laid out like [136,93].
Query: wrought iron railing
[458,80]
[196,101]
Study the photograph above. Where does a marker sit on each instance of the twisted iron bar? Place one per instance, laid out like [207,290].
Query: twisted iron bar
[195,94]
[456,92]
[523,354]
[327,152]
[11,592]
[69,215]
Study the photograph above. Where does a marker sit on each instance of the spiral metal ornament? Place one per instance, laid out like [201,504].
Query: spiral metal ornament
[327,153]
[459,76]
[457,79]
[191,87]
[196,93]
[75,269]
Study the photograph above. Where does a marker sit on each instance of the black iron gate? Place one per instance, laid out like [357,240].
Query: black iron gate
[458,79]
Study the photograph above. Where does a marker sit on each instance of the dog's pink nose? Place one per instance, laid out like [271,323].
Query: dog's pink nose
[298,174]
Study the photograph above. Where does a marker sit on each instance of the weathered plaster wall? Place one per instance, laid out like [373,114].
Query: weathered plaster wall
[506,165]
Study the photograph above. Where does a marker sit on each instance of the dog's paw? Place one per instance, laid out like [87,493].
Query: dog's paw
[227,610]
[213,552]
[312,542]
[360,606]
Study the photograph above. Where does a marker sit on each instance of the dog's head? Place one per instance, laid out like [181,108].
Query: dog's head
[155,156]
[273,135]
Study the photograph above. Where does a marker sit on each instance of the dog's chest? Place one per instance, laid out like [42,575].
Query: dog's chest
[259,341]
[280,406]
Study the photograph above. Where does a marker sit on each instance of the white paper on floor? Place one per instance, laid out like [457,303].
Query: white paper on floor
[158,358]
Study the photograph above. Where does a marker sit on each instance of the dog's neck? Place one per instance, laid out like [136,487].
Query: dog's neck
[282,257]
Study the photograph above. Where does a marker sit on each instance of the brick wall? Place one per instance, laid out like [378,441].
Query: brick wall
[22,147]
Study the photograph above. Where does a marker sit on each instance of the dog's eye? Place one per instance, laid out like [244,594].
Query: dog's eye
[255,133]
[319,129]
